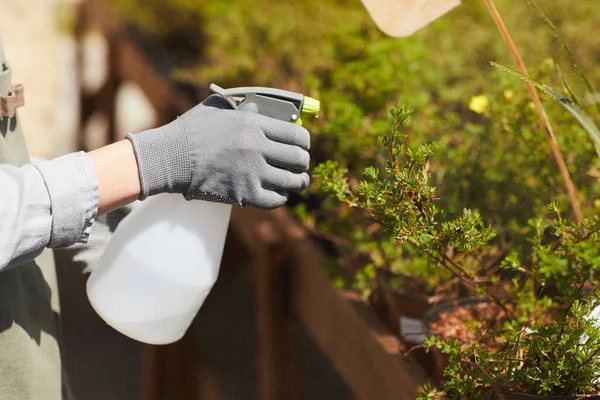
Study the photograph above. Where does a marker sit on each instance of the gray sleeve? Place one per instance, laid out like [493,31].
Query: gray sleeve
[25,219]
[51,204]
[73,188]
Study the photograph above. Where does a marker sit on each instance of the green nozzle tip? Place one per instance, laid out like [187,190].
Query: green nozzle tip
[311,106]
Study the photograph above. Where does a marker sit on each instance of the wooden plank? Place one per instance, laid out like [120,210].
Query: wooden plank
[133,65]
[149,385]
[207,382]
[366,358]
[100,16]
[278,334]
[354,349]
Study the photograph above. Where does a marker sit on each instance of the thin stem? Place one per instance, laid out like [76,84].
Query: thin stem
[589,359]
[558,157]
[482,370]
[589,234]
[461,274]
[468,279]
[416,347]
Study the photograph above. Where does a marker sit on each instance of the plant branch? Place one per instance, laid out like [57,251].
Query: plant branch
[558,157]
[482,370]
[589,234]
[462,274]
[589,359]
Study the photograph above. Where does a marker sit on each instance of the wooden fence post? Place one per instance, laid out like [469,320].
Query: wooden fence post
[278,332]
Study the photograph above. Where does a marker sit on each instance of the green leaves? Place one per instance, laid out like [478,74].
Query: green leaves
[331,178]
[512,262]
[399,197]
[467,232]
[584,120]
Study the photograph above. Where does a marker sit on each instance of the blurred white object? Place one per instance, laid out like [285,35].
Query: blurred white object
[159,266]
[595,315]
[401,18]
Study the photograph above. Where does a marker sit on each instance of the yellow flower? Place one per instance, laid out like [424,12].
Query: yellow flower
[509,94]
[549,63]
[479,103]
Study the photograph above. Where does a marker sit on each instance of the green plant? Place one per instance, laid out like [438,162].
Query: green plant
[543,342]
[400,199]
[550,344]
[571,105]
[528,352]
[482,157]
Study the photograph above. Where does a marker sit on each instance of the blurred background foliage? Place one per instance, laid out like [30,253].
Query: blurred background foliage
[493,153]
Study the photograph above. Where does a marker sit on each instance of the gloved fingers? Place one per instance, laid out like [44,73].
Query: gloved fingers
[286,156]
[282,180]
[285,132]
[269,200]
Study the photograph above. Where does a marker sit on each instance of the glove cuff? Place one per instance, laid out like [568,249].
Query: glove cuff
[163,158]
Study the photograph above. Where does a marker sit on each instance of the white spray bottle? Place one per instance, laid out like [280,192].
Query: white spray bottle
[164,257]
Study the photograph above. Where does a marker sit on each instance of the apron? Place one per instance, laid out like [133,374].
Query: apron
[30,362]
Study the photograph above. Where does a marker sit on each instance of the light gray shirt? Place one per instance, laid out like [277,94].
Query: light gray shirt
[49,204]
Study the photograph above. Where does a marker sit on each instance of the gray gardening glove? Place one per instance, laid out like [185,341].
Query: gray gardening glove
[222,155]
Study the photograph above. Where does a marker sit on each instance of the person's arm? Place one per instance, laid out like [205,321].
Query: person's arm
[209,153]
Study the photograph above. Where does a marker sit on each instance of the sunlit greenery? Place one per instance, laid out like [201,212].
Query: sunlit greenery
[461,186]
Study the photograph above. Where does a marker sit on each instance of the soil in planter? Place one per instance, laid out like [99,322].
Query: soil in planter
[451,321]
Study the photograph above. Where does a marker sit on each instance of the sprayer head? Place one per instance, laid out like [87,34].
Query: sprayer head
[274,103]
[311,106]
